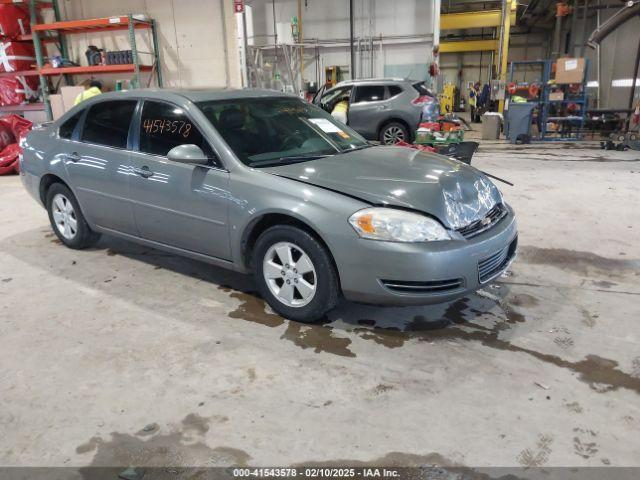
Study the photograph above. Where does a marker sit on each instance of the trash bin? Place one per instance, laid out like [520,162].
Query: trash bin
[490,126]
[519,120]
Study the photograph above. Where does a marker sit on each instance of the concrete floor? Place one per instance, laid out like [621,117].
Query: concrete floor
[123,355]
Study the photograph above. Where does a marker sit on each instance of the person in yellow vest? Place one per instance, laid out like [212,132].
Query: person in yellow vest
[93,88]
[340,109]
[473,100]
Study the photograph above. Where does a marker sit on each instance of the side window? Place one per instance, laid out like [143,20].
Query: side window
[394,90]
[333,96]
[107,123]
[164,126]
[67,128]
[369,93]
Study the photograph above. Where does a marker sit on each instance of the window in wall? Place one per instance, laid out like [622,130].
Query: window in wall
[107,123]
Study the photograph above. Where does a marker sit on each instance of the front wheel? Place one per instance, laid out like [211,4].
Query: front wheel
[295,274]
[393,133]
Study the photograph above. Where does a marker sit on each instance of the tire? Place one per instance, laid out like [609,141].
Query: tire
[393,132]
[67,220]
[268,268]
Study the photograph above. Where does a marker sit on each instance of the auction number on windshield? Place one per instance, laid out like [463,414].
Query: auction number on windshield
[167,127]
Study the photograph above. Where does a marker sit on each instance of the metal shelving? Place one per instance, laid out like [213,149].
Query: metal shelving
[544,103]
[41,33]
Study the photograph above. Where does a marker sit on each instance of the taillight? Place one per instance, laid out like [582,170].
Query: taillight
[422,100]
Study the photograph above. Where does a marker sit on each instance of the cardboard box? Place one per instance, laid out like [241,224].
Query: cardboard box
[555,96]
[570,70]
[57,106]
[69,94]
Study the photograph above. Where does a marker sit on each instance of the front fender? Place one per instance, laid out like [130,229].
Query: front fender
[257,194]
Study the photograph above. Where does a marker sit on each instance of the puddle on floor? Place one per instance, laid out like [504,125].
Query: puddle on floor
[455,324]
[177,447]
[576,261]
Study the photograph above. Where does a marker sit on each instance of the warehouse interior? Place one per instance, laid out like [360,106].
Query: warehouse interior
[130,356]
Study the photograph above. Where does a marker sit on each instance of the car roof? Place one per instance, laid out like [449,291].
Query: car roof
[194,95]
[370,81]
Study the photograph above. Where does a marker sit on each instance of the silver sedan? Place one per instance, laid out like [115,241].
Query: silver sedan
[264,183]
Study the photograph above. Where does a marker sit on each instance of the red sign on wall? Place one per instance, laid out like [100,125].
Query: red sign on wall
[238,6]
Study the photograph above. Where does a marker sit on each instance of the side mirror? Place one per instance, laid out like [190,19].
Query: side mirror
[188,153]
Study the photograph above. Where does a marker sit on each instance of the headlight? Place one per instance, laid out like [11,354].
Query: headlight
[396,226]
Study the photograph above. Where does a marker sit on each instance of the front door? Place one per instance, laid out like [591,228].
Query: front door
[97,161]
[177,204]
[367,109]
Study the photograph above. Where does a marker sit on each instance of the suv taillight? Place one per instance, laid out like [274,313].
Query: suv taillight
[422,100]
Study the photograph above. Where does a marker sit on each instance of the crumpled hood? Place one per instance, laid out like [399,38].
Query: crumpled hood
[456,193]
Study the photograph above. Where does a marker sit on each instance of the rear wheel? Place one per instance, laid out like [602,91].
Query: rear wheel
[393,133]
[66,218]
[295,273]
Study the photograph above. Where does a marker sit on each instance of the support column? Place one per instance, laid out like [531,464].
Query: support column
[504,45]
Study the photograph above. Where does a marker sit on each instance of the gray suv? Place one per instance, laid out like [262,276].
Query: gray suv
[388,110]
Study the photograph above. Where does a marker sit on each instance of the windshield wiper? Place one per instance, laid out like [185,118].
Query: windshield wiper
[286,160]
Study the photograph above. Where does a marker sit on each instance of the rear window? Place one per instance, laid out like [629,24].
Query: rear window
[107,123]
[394,90]
[422,89]
[369,93]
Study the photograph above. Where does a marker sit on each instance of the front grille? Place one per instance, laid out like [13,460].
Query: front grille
[497,213]
[437,286]
[491,266]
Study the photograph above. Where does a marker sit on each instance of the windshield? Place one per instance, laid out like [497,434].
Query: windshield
[263,131]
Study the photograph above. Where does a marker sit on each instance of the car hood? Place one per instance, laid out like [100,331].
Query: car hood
[456,193]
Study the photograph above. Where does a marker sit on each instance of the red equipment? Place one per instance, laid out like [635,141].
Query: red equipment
[14,21]
[424,148]
[16,56]
[13,129]
[18,90]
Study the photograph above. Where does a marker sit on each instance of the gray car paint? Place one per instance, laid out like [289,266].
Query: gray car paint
[402,177]
[367,118]
[207,212]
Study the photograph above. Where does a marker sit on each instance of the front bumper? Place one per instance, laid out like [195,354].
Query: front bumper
[388,273]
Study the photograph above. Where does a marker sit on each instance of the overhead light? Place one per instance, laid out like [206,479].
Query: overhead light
[624,82]
[592,84]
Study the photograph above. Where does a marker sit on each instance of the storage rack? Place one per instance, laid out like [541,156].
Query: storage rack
[123,22]
[544,103]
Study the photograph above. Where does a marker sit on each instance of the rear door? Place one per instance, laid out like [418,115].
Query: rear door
[177,204]
[97,161]
[368,108]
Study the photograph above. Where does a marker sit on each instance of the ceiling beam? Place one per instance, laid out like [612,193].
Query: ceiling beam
[469,46]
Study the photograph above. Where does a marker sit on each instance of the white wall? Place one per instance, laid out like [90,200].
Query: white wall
[190,36]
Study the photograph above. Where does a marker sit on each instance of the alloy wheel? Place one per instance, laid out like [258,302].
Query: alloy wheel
[64,216]
[290,274]
[393,135]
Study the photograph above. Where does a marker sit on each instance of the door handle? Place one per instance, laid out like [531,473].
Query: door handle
[144,172]
[74,157]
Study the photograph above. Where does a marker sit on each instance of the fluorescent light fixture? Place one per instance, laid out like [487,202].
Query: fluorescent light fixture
[624,82]
[592,84]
